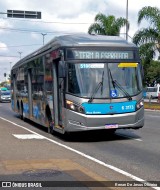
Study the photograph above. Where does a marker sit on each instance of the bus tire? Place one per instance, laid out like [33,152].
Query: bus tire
[22,113]
[50,126]
[111,131]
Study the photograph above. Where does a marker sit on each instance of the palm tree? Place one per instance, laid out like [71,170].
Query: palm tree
[146,53]
[107,25]
[149,36]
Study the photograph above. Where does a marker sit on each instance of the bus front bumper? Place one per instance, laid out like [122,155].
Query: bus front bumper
[81,122]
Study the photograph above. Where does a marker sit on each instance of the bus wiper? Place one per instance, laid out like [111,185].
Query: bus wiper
[123,90]
[97,88]
[116,84]
[102,82]
[112,79]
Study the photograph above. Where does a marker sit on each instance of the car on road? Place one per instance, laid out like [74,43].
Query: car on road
[3,89]
[5,96]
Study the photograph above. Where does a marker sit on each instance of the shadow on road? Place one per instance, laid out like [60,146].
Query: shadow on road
[89,136]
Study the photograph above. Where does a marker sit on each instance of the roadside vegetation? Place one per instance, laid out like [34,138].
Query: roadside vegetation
[152,105]
[147,39]
[107,25]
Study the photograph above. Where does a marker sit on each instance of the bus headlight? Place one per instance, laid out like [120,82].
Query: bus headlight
[74,107]
[140,104]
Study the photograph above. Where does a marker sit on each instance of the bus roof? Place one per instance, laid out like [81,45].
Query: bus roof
[90,40]
[79,40]
[84,39]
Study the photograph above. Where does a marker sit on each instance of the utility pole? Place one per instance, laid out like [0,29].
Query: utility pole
[127,21]
[43,34]
[20,54]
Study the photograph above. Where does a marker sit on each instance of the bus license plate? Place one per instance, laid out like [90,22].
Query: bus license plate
[111,126]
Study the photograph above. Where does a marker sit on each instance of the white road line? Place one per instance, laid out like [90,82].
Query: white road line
[86,156]
[122,135]
[28,136]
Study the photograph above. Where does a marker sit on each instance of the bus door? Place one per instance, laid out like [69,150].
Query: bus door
[30,92]
[61,84]
[14,90]
[60,98]
[57,95]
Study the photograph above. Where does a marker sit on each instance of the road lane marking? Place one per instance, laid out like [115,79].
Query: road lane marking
[122,135]
[28,136]
[87,156]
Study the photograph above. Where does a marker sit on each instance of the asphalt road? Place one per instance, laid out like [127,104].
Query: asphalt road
[126,155]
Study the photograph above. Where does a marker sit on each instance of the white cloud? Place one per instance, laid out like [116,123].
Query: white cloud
[35,36]
[3,25]
[3,47]
[78,24]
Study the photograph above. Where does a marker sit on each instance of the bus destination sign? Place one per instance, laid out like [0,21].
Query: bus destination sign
[79,54]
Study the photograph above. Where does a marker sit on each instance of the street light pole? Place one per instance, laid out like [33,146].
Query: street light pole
[43,34]
[20,54]
[127,21]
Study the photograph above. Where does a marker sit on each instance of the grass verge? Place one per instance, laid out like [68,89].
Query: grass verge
[152,105]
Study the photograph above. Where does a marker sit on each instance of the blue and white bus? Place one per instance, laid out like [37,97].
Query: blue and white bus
[80,82]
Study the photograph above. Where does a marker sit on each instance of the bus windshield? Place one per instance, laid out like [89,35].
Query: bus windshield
[99,79]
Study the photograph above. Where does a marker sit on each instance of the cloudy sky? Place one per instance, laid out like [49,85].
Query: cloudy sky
[19,37]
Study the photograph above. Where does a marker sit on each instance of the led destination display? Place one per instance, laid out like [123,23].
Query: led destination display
[79,54]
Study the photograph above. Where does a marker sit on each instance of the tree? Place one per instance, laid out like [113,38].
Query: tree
[107,25]
[153,72]
[150,36]
[146,54]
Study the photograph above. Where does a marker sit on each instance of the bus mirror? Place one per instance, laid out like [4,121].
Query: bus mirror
[61,69]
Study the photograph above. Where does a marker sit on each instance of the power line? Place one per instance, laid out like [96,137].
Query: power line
[48,22]
[21,30]
[8,56]
[22,45]
[32,31]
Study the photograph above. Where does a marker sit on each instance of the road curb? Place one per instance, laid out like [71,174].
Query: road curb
[152,110]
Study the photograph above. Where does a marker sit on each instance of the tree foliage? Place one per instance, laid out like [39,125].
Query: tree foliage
[107,25]
[148,40]
[153,72]
[149,36]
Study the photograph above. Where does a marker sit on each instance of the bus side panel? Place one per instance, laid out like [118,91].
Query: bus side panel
[36,91]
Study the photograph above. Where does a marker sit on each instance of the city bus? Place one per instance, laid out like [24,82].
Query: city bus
[80,82]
